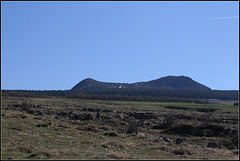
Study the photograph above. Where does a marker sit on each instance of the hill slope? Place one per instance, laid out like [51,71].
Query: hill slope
[169,82]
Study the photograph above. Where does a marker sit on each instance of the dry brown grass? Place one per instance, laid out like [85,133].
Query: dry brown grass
[114,144]
[118,155]
[68,139]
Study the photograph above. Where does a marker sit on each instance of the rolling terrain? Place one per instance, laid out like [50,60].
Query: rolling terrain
[167,118]
[64,128]
[170,88]
[169,82]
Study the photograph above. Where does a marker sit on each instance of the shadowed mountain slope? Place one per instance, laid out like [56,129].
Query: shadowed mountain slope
[169,82]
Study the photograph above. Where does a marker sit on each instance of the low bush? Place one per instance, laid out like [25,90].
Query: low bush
[26,107]
[133,128]
[178,152]
[235,141]
[168,121]
[177,107]
[215,128]
[180,129]
[187,129]
[206,109]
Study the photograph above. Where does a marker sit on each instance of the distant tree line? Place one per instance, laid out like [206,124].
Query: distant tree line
[150,95]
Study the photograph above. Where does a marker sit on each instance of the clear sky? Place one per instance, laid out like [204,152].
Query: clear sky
[54,45]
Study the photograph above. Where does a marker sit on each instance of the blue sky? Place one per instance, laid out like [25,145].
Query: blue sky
[54,45]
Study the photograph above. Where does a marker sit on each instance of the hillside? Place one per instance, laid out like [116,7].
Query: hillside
[173,89]
[169,82]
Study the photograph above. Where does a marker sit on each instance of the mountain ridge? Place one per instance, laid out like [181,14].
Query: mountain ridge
[168,82]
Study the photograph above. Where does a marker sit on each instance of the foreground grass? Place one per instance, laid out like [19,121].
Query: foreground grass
[62,138]
[21,139]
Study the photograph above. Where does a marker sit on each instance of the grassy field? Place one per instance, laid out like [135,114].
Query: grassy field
[26,134]
[220,108]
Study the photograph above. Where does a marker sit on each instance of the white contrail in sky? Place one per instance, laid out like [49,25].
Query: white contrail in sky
[218,18]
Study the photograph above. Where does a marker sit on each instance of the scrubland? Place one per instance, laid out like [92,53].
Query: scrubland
[59,128]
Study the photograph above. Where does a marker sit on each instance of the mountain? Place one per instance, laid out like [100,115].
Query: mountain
[169,82]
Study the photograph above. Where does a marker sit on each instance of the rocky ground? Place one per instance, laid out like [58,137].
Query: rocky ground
[54,128]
